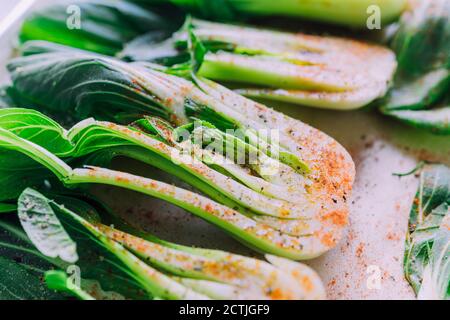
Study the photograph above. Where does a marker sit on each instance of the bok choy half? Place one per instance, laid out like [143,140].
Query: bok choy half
[156,268]
[427,248]
[285,213]
[318,71]
[290,201]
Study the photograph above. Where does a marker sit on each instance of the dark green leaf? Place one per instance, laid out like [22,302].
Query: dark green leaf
[104,26]
[422,44]
[20,260]
[7,207]
[418,94]
[436,120]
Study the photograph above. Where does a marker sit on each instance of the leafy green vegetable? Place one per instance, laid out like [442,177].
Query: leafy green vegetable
[310,70]
[5,99]
[426,261]
[347,13]
[7,207]
[263,212]
[82,84]
[58,280]
[44,229]
[296,187]
[420,95]
[96,25]
[182,273]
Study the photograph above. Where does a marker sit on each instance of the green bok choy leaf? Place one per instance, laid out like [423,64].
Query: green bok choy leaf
[352,13]
[97,25]
[23,259]
[426,260]
[420,96]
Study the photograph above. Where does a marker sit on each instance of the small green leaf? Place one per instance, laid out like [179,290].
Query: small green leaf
[43,227]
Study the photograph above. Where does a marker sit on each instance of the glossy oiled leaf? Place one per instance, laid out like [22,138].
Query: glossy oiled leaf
[427,244]
[43,228]
[96,25]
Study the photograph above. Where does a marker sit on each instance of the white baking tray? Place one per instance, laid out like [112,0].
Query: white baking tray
[367,264]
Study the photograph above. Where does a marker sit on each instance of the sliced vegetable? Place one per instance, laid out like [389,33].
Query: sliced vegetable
[436,120]
[96,25]
[426,261]
[180,274]
[348,13]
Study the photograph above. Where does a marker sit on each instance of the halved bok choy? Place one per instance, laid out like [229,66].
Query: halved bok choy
[317,71]
[160,269]
[296,190]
